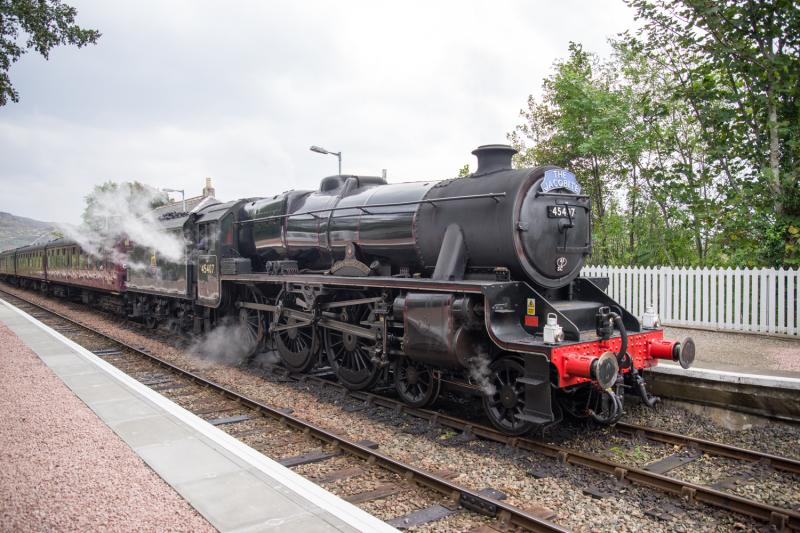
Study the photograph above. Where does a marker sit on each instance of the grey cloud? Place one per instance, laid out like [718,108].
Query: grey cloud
[176,91]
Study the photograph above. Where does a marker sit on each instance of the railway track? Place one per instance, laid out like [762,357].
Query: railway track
[776,516]
[212,400]
[784,464]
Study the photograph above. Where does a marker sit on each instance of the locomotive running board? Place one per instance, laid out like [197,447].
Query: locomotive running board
[426,284]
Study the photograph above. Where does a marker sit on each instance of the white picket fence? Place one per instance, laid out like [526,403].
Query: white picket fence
[759,300]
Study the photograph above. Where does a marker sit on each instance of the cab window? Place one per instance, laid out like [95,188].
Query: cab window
[226,233]
[208,237]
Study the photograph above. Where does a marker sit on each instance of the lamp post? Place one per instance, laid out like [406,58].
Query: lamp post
[183,196]
[321,150]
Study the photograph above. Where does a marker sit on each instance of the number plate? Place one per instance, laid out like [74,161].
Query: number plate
[560,211]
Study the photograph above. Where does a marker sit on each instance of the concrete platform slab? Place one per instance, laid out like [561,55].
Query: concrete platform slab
[68,366]
[123,409]
[232,485]
[254,502]
[189,459]
[150,430]
[100,392]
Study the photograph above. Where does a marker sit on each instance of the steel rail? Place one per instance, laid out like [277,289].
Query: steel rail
[785,464]
[458,494]
[776,516]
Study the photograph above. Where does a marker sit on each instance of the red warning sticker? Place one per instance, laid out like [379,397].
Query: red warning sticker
[532,321]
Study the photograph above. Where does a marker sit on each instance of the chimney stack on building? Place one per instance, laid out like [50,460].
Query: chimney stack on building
[208,190]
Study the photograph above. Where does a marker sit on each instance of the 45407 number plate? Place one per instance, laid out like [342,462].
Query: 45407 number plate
[560,211]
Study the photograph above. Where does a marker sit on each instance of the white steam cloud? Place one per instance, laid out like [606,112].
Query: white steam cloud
[229,342]
[266,360]
[124,212]
[480,373]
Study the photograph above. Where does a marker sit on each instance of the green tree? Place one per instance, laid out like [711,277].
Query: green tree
[47,23]
[669,151]
[738,66]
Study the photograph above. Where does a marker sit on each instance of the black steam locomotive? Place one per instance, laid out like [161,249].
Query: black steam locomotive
[470,283]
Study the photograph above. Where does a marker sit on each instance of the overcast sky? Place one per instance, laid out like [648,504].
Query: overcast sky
[176,91]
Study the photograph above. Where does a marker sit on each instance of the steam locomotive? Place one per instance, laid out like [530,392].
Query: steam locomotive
[470,283]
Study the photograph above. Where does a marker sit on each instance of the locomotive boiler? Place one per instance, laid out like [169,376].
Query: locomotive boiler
[463,228]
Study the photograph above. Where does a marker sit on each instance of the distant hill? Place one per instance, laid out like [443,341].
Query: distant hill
[18,231]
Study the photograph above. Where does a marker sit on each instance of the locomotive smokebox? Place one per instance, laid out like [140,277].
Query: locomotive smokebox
[493,157]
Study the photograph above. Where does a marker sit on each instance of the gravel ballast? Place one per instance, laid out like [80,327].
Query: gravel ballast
[63,469]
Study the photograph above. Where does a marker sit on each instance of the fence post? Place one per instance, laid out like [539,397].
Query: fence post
[640,294]
[747,288]
[684,295]
[771,299]
[791,301]
[755,298]
[762,300]
[690,296]
[728,320]
[705,303]
[712,319]
[780,278]
[670,293]
[737,299]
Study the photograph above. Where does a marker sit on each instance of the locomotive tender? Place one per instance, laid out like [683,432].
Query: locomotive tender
[471,283]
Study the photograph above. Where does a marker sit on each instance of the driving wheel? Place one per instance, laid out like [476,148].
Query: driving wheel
[350,355]
[298,345]
[504,401]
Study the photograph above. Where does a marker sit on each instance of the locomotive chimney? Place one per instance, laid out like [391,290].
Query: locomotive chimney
[493,157]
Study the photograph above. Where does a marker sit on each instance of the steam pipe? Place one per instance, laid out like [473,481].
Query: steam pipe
[622,356]
[616,410]
[638,381]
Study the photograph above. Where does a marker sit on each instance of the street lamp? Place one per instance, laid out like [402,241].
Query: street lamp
[183,196]
[320,150]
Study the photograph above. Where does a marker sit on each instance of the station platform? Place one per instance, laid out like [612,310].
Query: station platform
[750,373]
[228,485]
[744,353]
